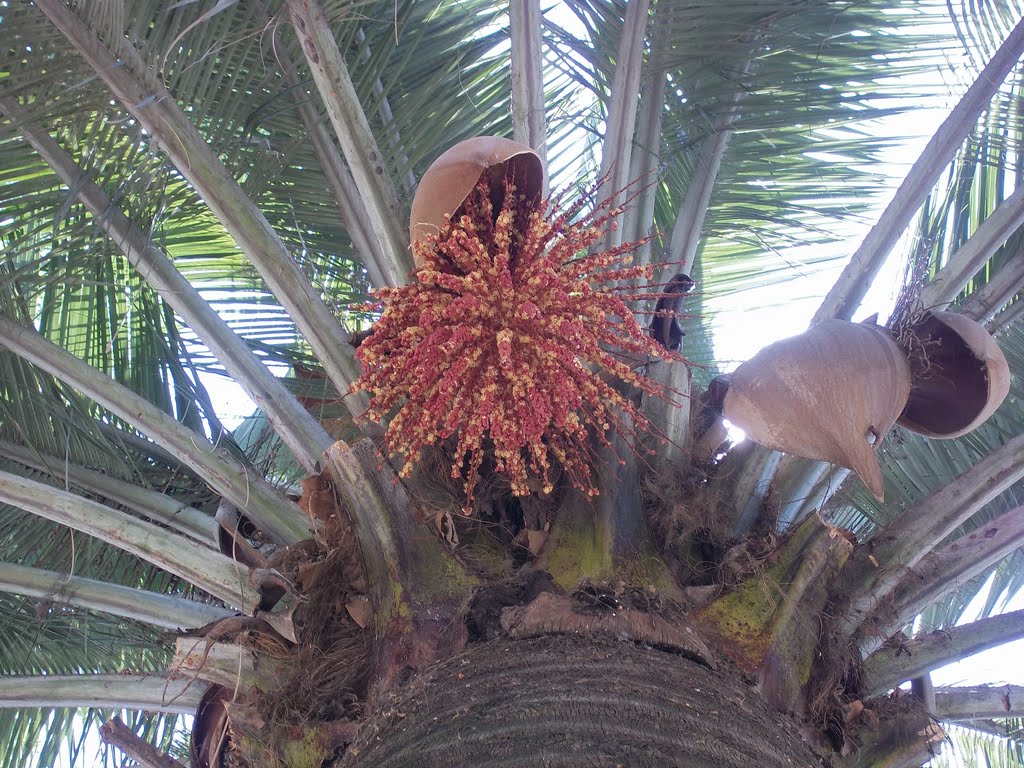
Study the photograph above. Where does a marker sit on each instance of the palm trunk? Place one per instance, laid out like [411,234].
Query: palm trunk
[569,701]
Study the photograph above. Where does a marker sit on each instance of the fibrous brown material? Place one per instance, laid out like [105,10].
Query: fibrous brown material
[960,376]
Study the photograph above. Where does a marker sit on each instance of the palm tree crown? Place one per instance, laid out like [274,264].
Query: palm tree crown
[200,192]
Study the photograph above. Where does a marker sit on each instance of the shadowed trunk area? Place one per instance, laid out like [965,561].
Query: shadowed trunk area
[576,701]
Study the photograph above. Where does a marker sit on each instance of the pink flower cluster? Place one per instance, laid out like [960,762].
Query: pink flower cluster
[508,338]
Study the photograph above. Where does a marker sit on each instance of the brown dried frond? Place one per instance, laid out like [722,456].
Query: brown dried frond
[687,521]
[834,686]
[908,314]
[920,349]
[916,274]
[748,556]
[676,510]
[323,676]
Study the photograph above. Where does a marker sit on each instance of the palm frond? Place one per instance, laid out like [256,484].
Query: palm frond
[971,748]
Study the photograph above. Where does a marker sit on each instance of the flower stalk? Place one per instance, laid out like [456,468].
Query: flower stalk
[502,345]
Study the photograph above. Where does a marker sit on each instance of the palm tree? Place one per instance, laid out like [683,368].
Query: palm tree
[198,191]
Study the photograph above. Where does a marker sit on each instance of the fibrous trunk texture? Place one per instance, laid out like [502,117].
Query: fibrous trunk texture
[571,701]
